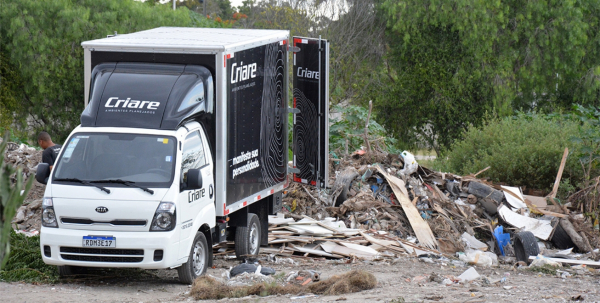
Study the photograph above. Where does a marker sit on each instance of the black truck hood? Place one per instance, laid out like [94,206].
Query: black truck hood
[145,95]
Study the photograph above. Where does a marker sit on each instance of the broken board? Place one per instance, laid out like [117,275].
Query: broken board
[542,229]
[419,226]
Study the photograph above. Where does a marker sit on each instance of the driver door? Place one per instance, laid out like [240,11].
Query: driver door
[195,155]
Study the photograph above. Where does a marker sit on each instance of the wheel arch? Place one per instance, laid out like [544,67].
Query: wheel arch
[205,229]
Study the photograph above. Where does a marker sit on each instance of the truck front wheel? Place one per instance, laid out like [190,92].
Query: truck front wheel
[197,262]
[66,271]
[247,238]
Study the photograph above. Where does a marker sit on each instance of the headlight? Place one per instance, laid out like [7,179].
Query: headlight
[164,217]
[48,215]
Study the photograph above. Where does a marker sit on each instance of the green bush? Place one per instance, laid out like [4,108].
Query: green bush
[25,262]
[524,150]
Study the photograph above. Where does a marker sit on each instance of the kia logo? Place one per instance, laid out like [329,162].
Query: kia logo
[101,209]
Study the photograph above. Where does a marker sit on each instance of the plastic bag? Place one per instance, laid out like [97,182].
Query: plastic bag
[540,261]
[410,164]
[477,257]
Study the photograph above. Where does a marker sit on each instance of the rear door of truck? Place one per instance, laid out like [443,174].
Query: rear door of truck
[311,104]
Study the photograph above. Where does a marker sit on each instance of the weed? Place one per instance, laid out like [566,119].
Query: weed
[546,269]
[25,262]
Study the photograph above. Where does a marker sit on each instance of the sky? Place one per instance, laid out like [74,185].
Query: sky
[236,2]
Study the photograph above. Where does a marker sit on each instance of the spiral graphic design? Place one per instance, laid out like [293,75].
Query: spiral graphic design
[273,120]
[305,139]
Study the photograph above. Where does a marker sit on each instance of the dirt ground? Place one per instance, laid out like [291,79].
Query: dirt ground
[403,280]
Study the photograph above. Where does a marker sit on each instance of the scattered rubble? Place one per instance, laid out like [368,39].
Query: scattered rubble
[379,208]
[29,215]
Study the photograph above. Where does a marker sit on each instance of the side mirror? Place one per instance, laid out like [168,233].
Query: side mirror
[42,173]
[194,179]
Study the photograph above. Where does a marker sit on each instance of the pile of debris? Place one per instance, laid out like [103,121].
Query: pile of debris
[26,158]
[375,208]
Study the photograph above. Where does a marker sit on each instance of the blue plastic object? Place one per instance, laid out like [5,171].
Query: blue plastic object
[502,238]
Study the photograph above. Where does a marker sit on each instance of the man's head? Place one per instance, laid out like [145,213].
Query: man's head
[44,140]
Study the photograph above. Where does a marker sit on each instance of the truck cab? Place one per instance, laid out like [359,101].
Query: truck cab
[125,192]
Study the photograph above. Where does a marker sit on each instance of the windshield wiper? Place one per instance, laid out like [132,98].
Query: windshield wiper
[84,182]
[126,183]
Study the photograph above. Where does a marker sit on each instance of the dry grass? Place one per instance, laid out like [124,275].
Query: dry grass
[353,281]
[206,288]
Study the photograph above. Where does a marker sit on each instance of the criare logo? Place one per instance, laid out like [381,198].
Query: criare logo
[128,103]
[306,73]
[243,72]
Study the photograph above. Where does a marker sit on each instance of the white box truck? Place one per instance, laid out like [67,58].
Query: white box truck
[182,145]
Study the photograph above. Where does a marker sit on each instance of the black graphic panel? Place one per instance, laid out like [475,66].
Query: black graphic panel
[256,120]
[310,125]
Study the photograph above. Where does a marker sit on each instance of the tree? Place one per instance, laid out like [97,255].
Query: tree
[11,87]
[452,60]
[41,39]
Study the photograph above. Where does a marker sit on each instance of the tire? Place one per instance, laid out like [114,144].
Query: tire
[197,262]
[561,239]
[247,238]
[66,271]
[525,245]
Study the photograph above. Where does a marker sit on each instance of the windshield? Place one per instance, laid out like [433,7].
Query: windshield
[144,159]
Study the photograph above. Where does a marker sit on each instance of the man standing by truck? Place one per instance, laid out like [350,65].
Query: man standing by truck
[51,150]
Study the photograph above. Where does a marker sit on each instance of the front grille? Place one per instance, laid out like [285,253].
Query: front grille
[124,222]
[102,251]
[91,254]
[102,258]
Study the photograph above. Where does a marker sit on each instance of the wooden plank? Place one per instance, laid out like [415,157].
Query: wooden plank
[420,227]
[274,220]
[313,251]
[362,248]
[539,202]
[278,241]
[310,230]
[333,248]
[554,191]
[281,232]
[384,243]
[572,261]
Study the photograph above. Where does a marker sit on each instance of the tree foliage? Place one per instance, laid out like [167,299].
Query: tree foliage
[452,60]
[42,41]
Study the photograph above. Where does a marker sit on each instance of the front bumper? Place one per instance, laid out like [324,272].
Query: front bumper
[134,249]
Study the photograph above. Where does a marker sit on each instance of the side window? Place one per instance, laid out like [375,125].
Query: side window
[193,154]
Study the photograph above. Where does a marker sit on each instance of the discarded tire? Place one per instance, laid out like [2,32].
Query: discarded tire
[561,239]
[525,245]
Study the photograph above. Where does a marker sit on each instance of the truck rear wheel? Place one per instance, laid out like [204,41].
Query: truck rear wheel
[197,262]
[247,238]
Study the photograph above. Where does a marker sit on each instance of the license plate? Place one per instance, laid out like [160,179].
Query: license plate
[98,241]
